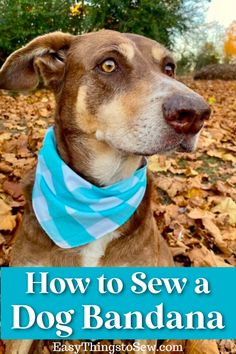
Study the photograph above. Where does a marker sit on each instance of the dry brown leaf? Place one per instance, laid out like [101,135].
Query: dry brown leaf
[227,346]
[175,188]
[170,212]
[158,164]
[198,213]
[9,157]
[46,350]
[201,347]
[164,183]
[4,208]
[232,179]
[190,172]
[208,139]
[5,136]
[222,154]
[2,347]
[5,168]
[7,220]
[178,249]
[2,240]
[225,189]
[14,189]
[227,206]
[22,146]
[215,232]
[202,257]
[229,236]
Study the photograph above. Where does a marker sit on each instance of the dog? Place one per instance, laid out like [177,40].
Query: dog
[117,102]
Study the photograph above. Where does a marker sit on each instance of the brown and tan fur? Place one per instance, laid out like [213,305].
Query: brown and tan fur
[104,125]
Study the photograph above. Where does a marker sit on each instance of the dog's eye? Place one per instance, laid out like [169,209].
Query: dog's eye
[169,70]
[108,66]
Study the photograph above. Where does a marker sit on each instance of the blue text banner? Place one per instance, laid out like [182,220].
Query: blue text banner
[119,303]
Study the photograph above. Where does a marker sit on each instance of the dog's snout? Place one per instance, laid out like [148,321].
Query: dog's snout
[186,114]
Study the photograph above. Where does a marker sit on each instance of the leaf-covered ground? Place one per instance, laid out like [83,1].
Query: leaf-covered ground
[195,206]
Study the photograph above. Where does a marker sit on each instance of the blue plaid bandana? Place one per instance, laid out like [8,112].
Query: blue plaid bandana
[74,212]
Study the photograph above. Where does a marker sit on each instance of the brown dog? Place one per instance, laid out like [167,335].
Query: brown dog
[116,101]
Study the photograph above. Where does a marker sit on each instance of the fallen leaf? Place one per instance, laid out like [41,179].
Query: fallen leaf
[14,189]
[201,347]
[5,136]
[227,346]
[194,192]
[215,232]
[227,206]
[202,257]
[191,172]
[2,347]
[5,168]
[222,154]
[229,236]
[2,240]
[158,164]
[4,208]
[226,189]
[211,100]
[232,179]
[7,220]
[198,213]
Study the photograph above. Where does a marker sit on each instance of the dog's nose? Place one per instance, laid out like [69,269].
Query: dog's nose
[186,114]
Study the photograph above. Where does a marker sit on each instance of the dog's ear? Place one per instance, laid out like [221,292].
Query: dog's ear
[45,56]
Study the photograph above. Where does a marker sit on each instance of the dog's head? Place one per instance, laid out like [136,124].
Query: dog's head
[118,88]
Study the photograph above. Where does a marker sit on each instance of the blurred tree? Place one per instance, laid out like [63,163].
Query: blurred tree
[158,19]
[22,20]
[207,55]
[230,42]
[199,47]
[186,63]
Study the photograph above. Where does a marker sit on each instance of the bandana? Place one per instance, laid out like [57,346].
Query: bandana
[73,211]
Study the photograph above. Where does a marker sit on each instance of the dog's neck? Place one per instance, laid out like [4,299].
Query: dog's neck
[94,160]
[111,166]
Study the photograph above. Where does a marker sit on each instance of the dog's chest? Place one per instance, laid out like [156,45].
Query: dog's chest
[92,253]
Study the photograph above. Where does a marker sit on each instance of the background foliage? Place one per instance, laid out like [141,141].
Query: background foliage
[162,20]
[155,19]
[23,20]
[178,24]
